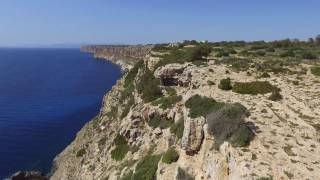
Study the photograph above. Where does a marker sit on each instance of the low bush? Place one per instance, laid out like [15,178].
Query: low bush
[170,156]
[132,73]
[148,86]
[167,102]
[225,84]
[121,148]
[171,91]
[158,121]
[81,152]
[309,55]
[237,64]
[227,124]
[315,70]
[288,53]
[275,95]
[201,106]
[178,128]
[146,169]
[102,141]
[256,87]
[265,75]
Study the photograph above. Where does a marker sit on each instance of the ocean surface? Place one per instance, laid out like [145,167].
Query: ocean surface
[46,96]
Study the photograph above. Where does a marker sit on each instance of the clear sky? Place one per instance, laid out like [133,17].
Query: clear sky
[46,22]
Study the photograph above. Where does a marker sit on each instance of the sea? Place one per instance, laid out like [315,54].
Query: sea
[46,96]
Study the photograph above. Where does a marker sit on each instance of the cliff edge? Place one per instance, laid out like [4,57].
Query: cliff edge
[202,111]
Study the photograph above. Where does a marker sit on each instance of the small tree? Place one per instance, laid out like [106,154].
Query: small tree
[225,84]
[318,40]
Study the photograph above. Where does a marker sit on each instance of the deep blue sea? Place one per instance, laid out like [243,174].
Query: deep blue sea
[46,96]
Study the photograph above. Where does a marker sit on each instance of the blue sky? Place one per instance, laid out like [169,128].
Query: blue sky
[46,22]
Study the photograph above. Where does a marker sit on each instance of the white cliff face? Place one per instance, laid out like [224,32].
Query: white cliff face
[286,143]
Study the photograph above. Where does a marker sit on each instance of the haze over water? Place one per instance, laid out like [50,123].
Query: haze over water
[46,96]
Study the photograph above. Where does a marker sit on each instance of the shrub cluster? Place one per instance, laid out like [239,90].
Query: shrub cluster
[237,64]
[256,87]
[183,175]
[309,55]
[170,156]
[167,102]
[148,86]
[121,149]
[178,128]
[81,152]
[225,84]
[275,95]
[146,169]
[315,70]
[227,124]
[201,106]
[159,121]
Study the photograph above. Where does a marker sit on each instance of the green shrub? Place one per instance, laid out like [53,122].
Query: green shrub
[170,156]
[178,128]
[113,113]
[171,91]
[146,169]
[227,124]
[256,87]
[128,176]
[289,53]
[148,86]
[237,64]
[315,70]
[81,152]
[275,96]
[132,73]
[309,55]
[265,75]
[260,53]
[121,148]
[158,121]
[167,102]
[201,106]
[225,84]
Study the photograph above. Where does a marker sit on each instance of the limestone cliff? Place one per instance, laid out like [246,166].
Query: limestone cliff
[165,122]
[123,55]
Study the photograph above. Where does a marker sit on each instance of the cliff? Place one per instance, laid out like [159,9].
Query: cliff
[178,115]
[124,55]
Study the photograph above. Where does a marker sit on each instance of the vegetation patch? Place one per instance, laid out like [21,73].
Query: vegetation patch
[237,64]
[201,106]
[256,87]
[227,124]
[167,102]
[81,152]
[183,175]
[315,70]
[127,107]
[132,74]
[146,169]
[225,84]
[186,54]
[148,86]
[275,96]
[178,128]
[159,121]
[121,148]
[170,156]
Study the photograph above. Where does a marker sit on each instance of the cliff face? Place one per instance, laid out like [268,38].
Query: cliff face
[143,132]
[124,55]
